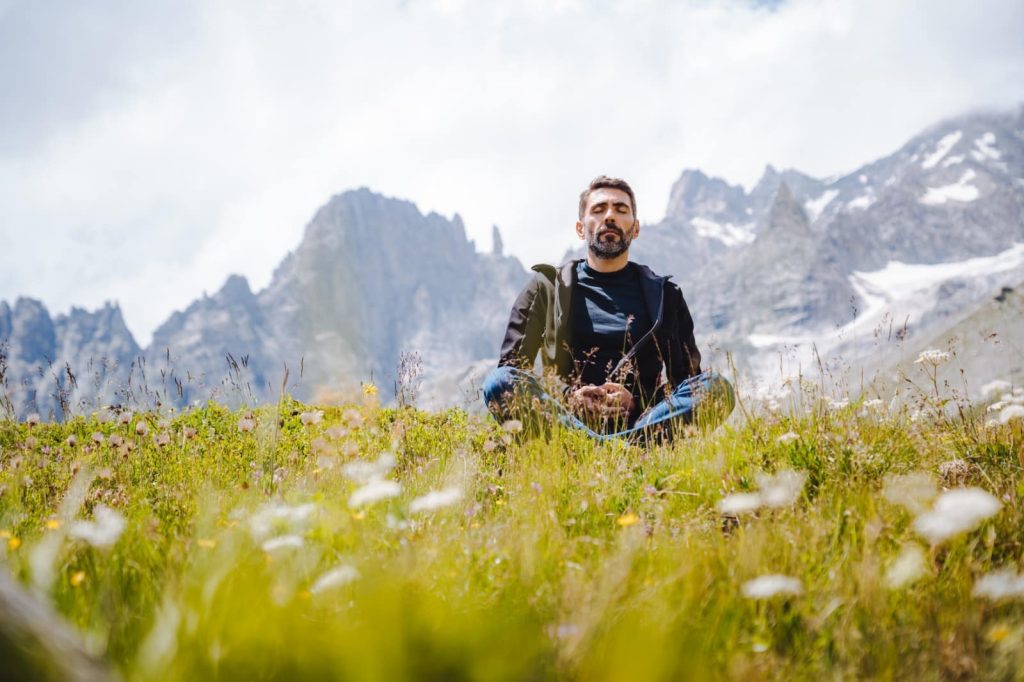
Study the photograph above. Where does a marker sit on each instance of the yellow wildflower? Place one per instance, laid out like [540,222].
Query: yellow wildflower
[13,543]
[77,578]
[205,543]
[52,524]
[369,389]
[627,519]
[998,633]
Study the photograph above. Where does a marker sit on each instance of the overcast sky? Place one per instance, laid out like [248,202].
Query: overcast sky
[148,150]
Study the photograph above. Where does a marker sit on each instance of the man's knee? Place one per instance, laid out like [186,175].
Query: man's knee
[718,399]
[498,382]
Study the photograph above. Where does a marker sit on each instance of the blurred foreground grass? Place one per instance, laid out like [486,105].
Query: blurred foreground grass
[366,543]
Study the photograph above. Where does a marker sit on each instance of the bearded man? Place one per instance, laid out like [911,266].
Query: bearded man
[617,337]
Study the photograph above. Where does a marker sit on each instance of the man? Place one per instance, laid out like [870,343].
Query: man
[618,337]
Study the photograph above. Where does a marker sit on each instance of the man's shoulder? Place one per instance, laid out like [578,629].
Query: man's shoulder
[549,272]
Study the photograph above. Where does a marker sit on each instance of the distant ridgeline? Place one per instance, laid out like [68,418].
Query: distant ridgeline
[869,267]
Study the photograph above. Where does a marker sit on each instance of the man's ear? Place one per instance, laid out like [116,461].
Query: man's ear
[579,230]
[636,229]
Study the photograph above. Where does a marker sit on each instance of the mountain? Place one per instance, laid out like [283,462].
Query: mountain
[796,273]
[48,361]
[809,263]
[372,278]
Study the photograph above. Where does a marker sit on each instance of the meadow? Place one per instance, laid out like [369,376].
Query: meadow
[810,537]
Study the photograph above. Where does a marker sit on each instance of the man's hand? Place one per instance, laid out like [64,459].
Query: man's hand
[609,400]
[618,397]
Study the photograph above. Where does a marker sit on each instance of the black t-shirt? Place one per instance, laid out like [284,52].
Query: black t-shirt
[609,315]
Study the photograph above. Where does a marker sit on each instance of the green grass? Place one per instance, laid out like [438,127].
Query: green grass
[563,559]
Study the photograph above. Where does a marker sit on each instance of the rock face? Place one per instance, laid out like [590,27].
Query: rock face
[910,242]
[372,279]
[64,364]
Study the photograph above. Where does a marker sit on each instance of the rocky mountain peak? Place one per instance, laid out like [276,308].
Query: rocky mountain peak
[33,337]
[497,245]
[695,194]
[786,213]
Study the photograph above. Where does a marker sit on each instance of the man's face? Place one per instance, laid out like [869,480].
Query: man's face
[608,224]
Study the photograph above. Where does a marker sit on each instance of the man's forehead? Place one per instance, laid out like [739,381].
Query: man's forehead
[608,195]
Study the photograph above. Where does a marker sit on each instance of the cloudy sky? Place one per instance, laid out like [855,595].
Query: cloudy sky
[148,150]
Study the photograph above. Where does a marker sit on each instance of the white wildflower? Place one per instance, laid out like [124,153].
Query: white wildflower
[1002,584]
[914,491]
[782,489]
[933,357]
[279,517]
[787,437]
[311,418]
[768,586]
[874,405]
[142,428]
[995,387]
[836,405]
[956,511]
[246,424]
[283,542]
[336,577]
[513,426]
[361,471]
[954,472]
[906,568]
[436,499]
[374,491]
[739,503]
[996,406]
[125,418]
[1011,412]
[103,531]
[32,419]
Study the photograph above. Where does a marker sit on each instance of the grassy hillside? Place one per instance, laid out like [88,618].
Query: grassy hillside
[366,543]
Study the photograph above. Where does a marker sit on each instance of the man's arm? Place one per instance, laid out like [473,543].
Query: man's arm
[685,357]
[525,329]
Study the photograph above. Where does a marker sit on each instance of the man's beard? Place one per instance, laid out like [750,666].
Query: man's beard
[608,249]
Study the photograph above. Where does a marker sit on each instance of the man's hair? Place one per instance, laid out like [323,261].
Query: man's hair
[604,182]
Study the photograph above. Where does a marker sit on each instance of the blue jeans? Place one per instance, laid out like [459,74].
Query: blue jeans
[511,393]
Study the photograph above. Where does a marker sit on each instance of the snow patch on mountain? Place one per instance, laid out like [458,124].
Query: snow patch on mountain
[896,280]
[942,148]
[960,191]
[814,207]
[984,148]
[953,160]
[902,292]
[862,202]
[727,233]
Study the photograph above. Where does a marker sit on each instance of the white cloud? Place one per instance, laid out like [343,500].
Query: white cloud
[208,157]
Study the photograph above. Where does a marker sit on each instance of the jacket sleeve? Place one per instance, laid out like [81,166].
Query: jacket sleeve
[686,364]
[525,330]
